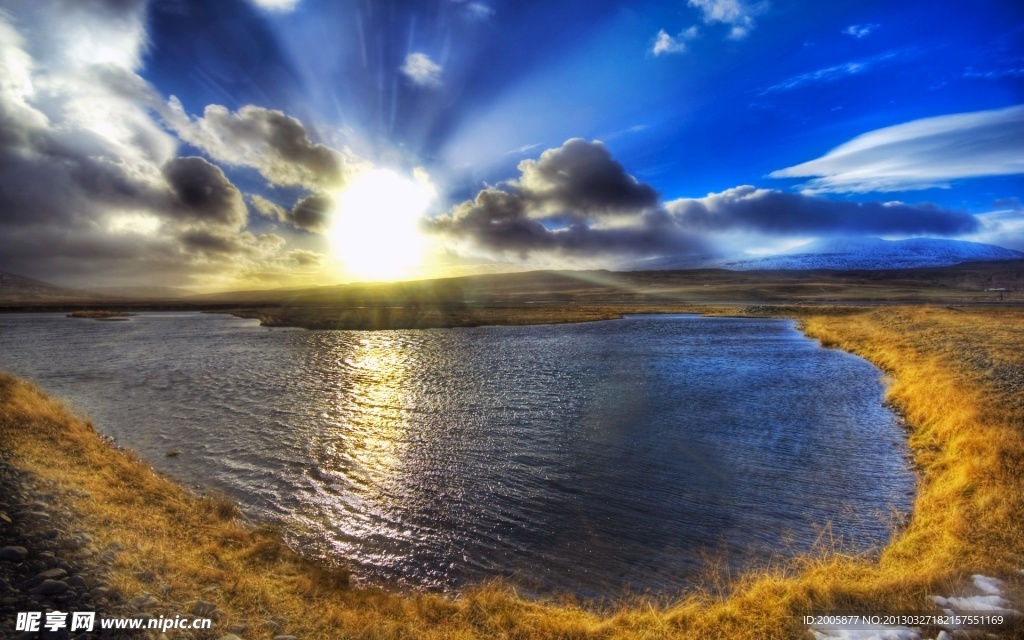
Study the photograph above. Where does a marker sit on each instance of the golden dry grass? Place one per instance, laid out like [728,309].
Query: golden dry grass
[958,377]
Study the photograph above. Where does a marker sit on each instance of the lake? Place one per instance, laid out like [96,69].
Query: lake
[583,458]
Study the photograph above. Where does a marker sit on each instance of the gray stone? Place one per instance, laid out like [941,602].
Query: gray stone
[285,638]
[229,636]
[13,554]
[49,588]
[203,609]
[145,601]
[77,581]
[52,574]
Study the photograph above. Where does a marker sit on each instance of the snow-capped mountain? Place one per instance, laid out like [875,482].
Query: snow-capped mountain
[844,254]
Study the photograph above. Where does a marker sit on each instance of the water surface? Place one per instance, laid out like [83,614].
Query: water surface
[584,458]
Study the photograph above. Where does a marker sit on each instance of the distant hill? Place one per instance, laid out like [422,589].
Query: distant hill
[18,290]
[142,293]
[844,254]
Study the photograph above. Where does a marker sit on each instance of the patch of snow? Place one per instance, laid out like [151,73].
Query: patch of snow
[990,586]
[991,603]
[875,633]
[842,253]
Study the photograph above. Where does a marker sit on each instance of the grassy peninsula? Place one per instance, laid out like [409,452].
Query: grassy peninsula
[957,376]
[100,314]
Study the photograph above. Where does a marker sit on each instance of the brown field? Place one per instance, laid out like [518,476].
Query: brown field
[542,297]
[957,376]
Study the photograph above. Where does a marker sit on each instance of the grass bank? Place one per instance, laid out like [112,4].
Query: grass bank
[957,376]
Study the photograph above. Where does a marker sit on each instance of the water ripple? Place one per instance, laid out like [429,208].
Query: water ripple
[582,458]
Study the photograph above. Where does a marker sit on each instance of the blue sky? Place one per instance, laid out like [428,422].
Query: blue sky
[564,133]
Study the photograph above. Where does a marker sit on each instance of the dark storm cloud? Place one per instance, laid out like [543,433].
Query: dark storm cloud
[580,179]
[312,213]
[578,200]
[202,193]
[574,200]
[780,213]
[90,188]
[496,221]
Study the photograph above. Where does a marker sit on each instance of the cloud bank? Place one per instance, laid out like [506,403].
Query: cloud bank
[576,200]
[273,143]
[91,183]
[773,212]
[922,154]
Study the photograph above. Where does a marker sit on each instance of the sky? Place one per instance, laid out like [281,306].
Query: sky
[244,144]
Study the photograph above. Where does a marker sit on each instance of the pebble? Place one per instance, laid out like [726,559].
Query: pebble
[13,554]
[52,574]
[49,588]
[203,609]
[42,567]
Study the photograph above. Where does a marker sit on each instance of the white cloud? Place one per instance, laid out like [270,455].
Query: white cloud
[860,30]
[474,10]
[833,73]
[922,154]
[283,6]
[737,14]
[664,43]
[1003,227]
[478,11]
[422,70]
[523,149]
[270,141]
[995,74]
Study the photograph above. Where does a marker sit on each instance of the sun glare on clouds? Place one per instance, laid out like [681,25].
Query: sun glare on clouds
[376,230]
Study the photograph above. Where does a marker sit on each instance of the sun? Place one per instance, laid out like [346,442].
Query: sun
[376,226]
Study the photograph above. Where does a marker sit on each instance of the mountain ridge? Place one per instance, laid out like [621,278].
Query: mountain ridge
[844,254]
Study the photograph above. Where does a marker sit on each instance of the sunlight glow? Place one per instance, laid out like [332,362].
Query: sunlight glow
[376,229]
[141,224]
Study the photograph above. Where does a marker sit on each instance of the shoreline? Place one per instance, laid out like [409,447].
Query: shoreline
[933,554]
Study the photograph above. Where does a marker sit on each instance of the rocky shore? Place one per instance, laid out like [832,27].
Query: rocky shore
[46,566]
